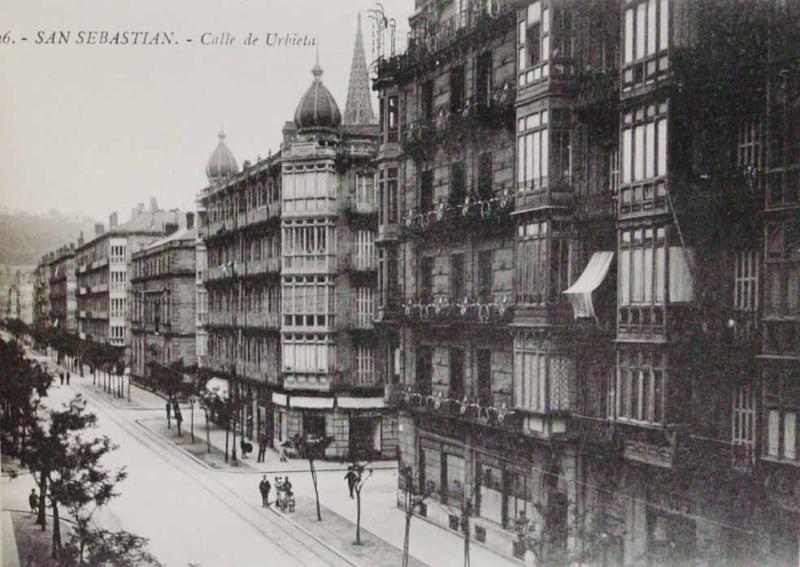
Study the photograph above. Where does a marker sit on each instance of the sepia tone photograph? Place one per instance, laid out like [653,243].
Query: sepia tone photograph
[400,283]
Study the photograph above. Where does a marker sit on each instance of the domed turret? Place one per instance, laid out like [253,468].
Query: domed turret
[221,164]
[317,109]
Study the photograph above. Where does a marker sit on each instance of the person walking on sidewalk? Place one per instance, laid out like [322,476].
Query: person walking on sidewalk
[33,500]
[262,449]
[169,409]
[352,479]
[264,487]
[67,378]
[61,377]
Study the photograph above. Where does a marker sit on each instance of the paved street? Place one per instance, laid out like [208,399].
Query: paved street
[172,498]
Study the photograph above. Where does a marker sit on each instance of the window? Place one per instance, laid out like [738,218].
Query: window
[540,254]
[453,476]
[364,258]
[782,434]
[613,170]
[426,101]
[644,143]
[483,79]
[365,190]
[485,275]
[646,32]
[458,190]
[457,276]
[745,289]
[426,191]
[485,377]
[424,369]
[743,422]
[456,373]
[393,122]
[781,401]
[543,381]
[485,190]
[640,386]
[642,265]
[532,152]
[308,353]
[750,147]
[309,244]
[533,42]
[308,301]
[426,279]
[365,365]
[364,313]
[388,200]
[782,293]
[490,490]
[457,91]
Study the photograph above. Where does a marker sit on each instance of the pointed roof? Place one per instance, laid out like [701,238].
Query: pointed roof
[221,163]
[317,108]
[358,109]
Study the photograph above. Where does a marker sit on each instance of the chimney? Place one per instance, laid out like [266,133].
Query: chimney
[98,229]
[112,221]
[153,204]
[80,239]
[189,221]
[170,228]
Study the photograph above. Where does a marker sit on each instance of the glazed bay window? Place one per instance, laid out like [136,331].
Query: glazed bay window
[308,301]
[640,386]
[309,188]
[533,147]
[544,381]
[644,158]
[533,42]
[646,31]
[387,196]
[781,405]
[309,245]
[782,259]
[308,353]
[544,257]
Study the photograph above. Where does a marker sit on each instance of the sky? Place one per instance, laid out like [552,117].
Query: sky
[93,129]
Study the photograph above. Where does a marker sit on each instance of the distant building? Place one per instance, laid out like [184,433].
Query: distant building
[162,301]
[102,272]
[41,292]
[63,286]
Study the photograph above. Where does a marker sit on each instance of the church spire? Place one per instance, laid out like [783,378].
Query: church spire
[358,109]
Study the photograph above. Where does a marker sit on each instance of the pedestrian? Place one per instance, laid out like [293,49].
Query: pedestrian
[178,418]
[264,487]
[282,453]
[169,409]
[262,449]
[352,479]
[67,378]
[287,486]
[61,377]
[33,500]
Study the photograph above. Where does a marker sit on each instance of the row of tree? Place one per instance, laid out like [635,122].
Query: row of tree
[56,446]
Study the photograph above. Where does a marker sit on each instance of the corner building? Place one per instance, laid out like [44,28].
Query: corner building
[307,271]
[571,243]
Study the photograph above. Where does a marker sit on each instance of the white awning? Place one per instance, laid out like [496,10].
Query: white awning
[360,403]
[580,293]
[309,402]
[220,385]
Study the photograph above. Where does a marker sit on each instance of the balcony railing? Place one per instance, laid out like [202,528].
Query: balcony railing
[414,400]
[263,266]
[325,263]
[221,318]
[263,213]
[466,311]
[492,212]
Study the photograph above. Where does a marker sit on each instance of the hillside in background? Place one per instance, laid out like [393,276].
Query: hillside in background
[25,237]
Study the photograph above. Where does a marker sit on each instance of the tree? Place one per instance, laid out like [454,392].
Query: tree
[356,476]
[117,549]
[414,498]
[212,404]
[312,447]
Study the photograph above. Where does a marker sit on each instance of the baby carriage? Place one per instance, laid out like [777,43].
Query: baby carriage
[285,498]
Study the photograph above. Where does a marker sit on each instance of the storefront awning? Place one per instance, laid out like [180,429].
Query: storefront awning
[280,399]
[310,403]
[220,385]
[360,403]
[580,293]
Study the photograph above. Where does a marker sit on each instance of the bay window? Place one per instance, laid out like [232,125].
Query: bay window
[308,301]
[309,188]
[309,244]
[782,402]
[533,42]
[640,386]
[646,31]
[533,147]
[544,380]
[644,158]
[782,259]
[303,353]
[544,256]
[387,196]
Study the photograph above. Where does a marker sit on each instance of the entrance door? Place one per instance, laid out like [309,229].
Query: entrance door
[363,438]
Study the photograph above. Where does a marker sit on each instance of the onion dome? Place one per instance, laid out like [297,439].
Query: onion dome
[221,164]
[317,109]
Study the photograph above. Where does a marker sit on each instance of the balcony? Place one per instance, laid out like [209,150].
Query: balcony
[462,412]
[443,311]
[259,319]
[263,213]
[544,193]
[312,263]
[263,266]
[221,318]
[317,381]
[483,215]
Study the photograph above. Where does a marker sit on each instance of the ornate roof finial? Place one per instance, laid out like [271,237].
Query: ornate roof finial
[317,70]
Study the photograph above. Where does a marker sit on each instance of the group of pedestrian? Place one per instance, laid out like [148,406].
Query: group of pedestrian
[285,497]
[64,376]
